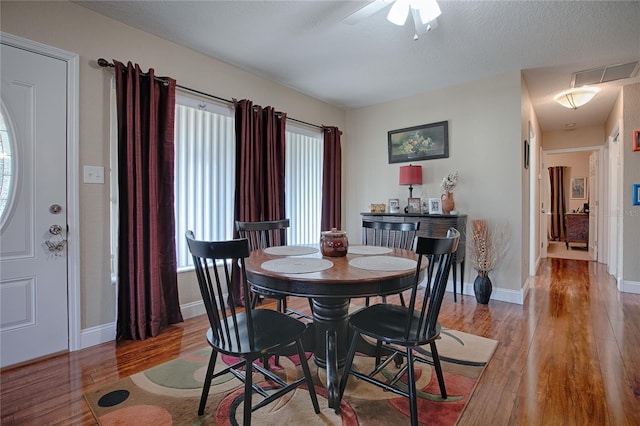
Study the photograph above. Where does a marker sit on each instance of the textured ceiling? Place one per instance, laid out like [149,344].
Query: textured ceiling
[305,45]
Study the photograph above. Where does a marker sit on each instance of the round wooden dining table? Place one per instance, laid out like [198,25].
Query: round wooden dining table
[331,290]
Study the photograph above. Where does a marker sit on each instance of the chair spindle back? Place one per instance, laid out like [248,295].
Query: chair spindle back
[440,252]
[264,234]
[212,261]
[389,234]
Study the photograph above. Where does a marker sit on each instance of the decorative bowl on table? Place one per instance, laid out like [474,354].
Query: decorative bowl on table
[334,243]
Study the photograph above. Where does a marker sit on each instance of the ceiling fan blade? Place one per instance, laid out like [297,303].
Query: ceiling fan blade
[366,11]
[399,12]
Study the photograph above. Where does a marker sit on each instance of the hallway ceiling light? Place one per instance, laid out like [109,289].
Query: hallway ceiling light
[574,98]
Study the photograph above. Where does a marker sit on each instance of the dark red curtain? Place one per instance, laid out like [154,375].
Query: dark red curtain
[147,277]
[557,176]
[331,180]
[260,166]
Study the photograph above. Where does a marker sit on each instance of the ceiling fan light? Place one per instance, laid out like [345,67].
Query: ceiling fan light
[574,98]
[429,9]
[399,12]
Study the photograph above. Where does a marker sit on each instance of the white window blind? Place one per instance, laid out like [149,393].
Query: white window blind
[204,173]
[303,184]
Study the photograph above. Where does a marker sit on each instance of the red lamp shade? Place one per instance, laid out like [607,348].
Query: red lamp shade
[411,175]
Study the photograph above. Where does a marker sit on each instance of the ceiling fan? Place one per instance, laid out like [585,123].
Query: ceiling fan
[423,12]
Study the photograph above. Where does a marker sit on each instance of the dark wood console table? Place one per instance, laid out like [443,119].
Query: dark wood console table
[577,228]
[433,225]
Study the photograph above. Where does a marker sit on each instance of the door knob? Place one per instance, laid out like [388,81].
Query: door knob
[55,229]
[56,244]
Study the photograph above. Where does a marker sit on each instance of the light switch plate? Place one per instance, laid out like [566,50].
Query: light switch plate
[93,174]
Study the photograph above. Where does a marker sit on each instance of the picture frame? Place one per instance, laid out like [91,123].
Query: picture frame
[424,142]
[394,205]
[413,205]
[526,154]
[435,206]
[579,188]
[636,140]
[636,194]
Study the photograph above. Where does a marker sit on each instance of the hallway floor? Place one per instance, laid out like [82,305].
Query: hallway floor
[558,250]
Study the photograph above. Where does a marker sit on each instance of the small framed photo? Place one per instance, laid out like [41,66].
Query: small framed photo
[578,188]
[413,205]
[636,194]
[636,140]
[434,206]
[394,205]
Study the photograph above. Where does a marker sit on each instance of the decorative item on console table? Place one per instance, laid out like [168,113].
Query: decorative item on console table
[448,184]
[435,206]
[448,204]
[488,244]
[394,205]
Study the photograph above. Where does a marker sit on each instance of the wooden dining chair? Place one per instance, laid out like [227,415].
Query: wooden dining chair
[250,335]
[389,234]
[404,329]
[262,235]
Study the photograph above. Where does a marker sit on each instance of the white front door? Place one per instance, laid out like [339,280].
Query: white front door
[33,263]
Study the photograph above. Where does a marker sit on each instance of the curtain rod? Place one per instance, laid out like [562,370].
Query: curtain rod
[106,64]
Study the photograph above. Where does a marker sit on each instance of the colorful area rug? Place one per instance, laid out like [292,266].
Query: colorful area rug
[169,394]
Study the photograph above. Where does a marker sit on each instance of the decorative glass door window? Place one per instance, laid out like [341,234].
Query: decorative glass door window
[6,170]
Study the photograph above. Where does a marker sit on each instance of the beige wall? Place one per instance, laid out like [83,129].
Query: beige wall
[630,176]
[73,28]
[625,118]
[578,138]
[485,146]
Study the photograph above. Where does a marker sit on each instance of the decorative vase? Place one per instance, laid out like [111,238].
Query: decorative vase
[334,243]
[447,202]
[482,288]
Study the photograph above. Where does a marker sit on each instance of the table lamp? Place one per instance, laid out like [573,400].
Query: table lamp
[411,175]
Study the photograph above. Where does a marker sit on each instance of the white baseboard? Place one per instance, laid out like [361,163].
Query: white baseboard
[501,294]
[193,309]
[107,332]
[630,287]
[97,335]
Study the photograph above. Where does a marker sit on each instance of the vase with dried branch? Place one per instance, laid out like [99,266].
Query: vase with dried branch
[487,246]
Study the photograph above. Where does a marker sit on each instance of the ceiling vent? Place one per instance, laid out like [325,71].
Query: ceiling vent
[604,74]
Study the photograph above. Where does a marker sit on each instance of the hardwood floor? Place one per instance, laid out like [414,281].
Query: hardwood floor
[568,356]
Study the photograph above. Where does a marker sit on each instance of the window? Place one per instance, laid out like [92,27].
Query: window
[204,173]
[303,184]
